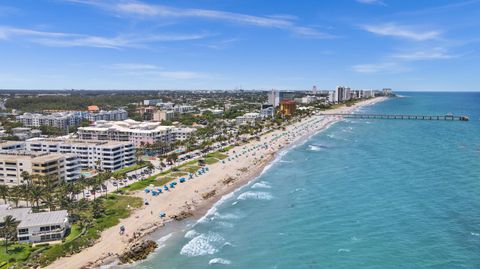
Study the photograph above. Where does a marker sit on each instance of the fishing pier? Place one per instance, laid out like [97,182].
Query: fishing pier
[448,117]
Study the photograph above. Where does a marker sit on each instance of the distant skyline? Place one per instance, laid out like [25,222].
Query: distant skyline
[406,45]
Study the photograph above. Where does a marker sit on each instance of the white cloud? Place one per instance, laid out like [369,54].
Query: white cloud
[386,67]
[181,75]
[432,54]
[151,71]
[57,39]
[151,11]
[394,30]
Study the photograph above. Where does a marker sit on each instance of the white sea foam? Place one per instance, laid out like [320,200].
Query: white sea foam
[343,250]
[475,234]
[219,261]
[314,148]
[251,195]
[225,224]
[215,206]
[191,234]
[203,244]
[226,216]
[261,185]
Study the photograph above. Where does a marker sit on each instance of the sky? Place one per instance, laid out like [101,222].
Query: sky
[407,45]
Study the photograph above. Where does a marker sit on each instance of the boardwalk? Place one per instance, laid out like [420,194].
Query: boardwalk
[447,117]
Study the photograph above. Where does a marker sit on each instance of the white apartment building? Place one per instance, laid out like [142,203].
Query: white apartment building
[101,155]
[183,109]
[180,134]
[113,115]
[267,112]
[59,167]
[61,120]
[139,133]
[43,227]
[152,102]
[247,118]
[11,145]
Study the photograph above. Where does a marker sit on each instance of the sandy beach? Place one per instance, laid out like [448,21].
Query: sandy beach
[197,195]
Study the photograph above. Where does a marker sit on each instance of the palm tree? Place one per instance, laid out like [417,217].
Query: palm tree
[9,229]
[15,193]
[25,192]
[117,177]
[36,193]
[4,192]
[26,177]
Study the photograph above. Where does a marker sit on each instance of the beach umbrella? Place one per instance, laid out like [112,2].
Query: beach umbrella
[162,214]
[182,180]
[165,187]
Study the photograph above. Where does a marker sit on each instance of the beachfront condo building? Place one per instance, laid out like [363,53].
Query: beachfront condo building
[99,155]
[248,118]
[58,167]
[39,227]
[11,145]
[139,133]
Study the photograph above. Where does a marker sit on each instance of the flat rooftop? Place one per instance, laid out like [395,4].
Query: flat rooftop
[53,141]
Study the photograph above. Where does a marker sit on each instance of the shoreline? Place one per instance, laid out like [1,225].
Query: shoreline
[223,179]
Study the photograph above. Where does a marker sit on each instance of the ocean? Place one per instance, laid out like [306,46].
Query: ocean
[371,194]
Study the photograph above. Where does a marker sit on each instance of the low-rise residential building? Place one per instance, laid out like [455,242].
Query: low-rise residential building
[112,115]
[180,134]
[53,165]
[247,118]
[184,109]
[139,133]
[163,115]
[24,133]
[61,120]
[152,102]
[166,106]
[41,227]
[267,111]
[64,120]
[11,145]
[100,155]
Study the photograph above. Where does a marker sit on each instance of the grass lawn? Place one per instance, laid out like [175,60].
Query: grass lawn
[211,160]
[16,252]
[191,169]
[217,155]
[116,208]
[74,233]
[129,168]
[227,148]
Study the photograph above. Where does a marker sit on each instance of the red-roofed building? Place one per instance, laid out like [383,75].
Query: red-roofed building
[93,108]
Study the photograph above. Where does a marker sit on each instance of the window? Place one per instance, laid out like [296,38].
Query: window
[45,229]
[23,238]
[23,231]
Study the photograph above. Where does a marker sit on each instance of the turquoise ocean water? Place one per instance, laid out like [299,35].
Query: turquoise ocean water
[361,194]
